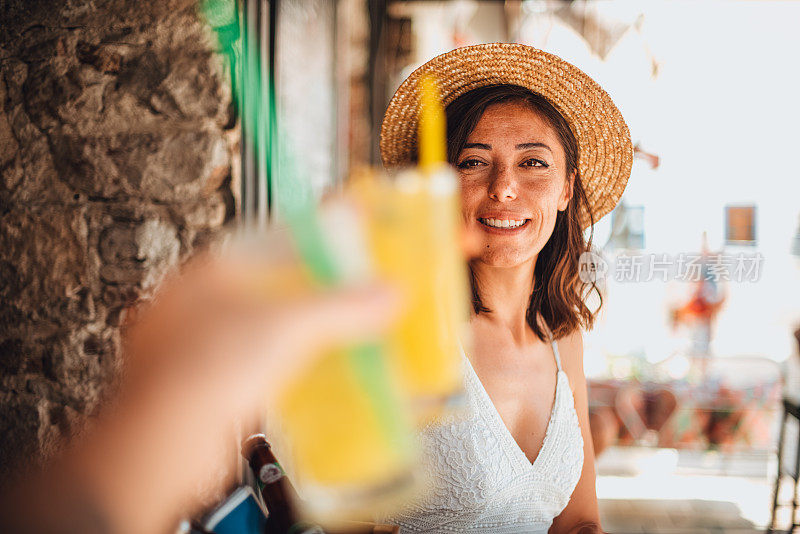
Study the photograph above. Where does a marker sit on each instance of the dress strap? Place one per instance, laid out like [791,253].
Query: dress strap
[558,357]
[555,346]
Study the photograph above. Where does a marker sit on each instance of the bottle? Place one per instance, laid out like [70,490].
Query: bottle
[279,495]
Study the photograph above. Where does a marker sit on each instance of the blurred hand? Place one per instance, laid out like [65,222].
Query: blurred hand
[213,347]
[218,331]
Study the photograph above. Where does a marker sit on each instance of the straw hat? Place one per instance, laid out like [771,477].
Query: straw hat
[604,142]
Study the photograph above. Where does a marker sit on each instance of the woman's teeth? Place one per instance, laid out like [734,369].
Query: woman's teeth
[502,223]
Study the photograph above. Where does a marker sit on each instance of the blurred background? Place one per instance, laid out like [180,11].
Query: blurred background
[121,154]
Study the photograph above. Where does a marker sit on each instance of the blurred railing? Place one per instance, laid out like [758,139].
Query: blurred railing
[733,406]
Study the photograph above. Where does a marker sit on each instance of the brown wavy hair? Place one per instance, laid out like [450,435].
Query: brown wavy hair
[559,295]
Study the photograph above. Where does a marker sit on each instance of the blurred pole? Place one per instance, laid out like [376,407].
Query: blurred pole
[256,107]
[271,164]
[341,60]
[376,73]
[246,106]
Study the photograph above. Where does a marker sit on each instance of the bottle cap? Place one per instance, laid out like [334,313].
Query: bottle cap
[251,443]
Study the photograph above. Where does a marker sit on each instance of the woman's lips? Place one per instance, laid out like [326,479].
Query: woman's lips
[503,226]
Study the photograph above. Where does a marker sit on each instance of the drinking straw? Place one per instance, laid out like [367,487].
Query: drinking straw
[431,129]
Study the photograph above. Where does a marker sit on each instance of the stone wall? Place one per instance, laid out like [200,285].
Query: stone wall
[116,150]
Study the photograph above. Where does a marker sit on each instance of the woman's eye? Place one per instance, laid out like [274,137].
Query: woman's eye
[469,164]
[533,162]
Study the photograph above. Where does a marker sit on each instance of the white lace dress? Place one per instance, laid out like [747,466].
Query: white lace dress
[483,482]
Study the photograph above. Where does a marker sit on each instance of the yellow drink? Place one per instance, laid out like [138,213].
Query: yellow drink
[414,233]
[349,436]
[415,236]
[344,419]
[349,433]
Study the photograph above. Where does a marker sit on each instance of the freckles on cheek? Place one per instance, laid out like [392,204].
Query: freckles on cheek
[468,203]
[466,218]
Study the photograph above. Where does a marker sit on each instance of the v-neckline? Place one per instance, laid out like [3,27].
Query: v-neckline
[522,458]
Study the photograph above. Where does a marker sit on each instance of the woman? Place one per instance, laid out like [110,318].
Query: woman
[542,153]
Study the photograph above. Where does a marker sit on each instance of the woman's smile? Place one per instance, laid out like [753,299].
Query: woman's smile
[503,226]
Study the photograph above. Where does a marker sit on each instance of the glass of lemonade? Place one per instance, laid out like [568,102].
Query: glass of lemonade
[346,425]
[414,222]
[349,419]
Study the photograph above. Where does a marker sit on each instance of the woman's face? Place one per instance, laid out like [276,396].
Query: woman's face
[513,183]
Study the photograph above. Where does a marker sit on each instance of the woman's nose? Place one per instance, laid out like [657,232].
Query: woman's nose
[503,186]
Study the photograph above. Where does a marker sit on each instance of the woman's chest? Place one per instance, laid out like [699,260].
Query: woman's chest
[479,477]
[521,388]
[476,468]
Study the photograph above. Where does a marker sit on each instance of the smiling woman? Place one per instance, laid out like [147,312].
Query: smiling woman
[542,153]
[529,174]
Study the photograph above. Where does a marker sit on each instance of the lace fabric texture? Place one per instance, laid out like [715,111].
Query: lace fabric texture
[481,481]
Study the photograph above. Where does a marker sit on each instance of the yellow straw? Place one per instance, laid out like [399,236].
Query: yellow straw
[431,133]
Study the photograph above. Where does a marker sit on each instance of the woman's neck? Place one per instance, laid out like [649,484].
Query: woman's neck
[506,291]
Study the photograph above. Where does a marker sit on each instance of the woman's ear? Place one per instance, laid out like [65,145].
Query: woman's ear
[566,193]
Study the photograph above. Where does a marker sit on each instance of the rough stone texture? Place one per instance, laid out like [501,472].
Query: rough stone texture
[116,146]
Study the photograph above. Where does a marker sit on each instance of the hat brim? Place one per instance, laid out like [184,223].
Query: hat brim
[604,142]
